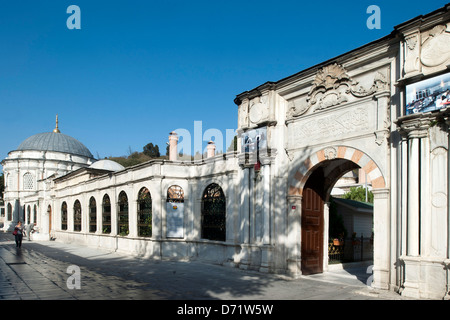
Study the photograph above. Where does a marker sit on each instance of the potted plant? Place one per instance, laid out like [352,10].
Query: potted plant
[339,241]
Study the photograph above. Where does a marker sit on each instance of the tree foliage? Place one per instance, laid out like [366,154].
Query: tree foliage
[233,145]
[151,150]
[359,194]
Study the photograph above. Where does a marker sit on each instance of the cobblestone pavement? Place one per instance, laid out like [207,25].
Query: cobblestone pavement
[39,271]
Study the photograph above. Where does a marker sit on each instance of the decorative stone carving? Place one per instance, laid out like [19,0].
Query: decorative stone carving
[412,63]
[258,110]
[426,52]
[333,86]
[243,114]
[329,87]
[330,153]
[436,46]
[297,107]
[380,136]
[341,125]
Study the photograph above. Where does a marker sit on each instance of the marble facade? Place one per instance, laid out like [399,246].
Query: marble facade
[343,114]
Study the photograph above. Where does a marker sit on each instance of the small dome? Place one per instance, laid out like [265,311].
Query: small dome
[55,141]
[106,164]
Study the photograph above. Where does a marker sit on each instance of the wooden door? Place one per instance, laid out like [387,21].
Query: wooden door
[312,232]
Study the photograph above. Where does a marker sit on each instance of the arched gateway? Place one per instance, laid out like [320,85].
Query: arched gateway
[310,186]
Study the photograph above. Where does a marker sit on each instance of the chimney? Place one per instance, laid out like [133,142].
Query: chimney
[173,141]
[211,149]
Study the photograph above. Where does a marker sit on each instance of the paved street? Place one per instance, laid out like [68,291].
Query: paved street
[39,271]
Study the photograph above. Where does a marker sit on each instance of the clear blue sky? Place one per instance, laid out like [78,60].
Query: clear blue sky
[139,69]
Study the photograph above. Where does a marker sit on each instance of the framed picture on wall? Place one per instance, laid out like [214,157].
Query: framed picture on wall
[428,95]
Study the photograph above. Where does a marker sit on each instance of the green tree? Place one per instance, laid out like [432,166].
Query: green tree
[151,150]
[233,145]
[359,194]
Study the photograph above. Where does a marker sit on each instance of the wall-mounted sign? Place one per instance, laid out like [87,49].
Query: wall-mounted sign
[175,220]
[428,95]
[254,140]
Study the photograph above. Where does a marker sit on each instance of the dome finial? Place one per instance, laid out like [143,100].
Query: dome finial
[56,130]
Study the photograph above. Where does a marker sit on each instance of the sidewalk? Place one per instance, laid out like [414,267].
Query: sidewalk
[39,270]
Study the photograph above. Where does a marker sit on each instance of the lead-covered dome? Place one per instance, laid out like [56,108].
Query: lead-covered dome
[107,164]
[55,141]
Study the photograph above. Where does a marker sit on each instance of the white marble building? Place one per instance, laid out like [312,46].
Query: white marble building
[268,209]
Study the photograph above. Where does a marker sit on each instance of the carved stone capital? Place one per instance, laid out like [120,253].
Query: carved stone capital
[415,126]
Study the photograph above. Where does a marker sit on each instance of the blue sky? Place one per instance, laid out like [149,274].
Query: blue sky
[139,69]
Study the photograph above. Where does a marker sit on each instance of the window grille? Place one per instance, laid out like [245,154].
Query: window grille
[213,213]
[122,223]
[77,216]
[106,215]
[92,215]
[64,216]
[28,181]
[144,213]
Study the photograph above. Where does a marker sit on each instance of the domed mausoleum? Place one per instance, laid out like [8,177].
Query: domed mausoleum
[30,168]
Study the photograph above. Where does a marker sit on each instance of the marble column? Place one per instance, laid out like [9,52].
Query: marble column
[244,210]
[382,231]
[266,215]
[413,198]
[293,240]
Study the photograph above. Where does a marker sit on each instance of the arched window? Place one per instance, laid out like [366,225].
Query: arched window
[34,214]
[9,212]
[28,181]
[144,213]
[106,215]
[64,216]
[77,216]
[213,213]
[175,194]
[122,218]
[10,186]
[175,212]
[92,215]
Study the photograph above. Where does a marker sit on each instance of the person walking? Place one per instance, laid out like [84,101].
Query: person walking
[18,233]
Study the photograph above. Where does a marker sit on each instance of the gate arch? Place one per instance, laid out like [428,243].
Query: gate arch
[306,168]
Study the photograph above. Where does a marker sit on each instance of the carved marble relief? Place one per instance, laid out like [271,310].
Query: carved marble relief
[243,114]
[331,87]
[259,111]
[427,52]
[436,46]
[337,125]
[412,50]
